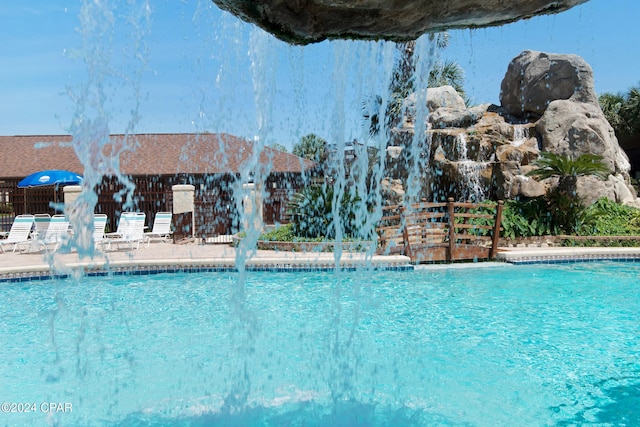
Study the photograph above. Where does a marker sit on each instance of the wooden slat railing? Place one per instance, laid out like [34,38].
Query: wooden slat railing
[436,232]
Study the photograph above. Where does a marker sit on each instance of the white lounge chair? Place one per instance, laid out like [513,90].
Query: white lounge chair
[130,230]
[99,225]
[161,228]
[57,232]
[19,232]
[42,224]
[121,226]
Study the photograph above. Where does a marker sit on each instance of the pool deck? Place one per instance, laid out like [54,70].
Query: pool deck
[161,257]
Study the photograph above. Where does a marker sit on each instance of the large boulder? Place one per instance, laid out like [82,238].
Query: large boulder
[392,191]
[616,188]
[534,79]
[444,97]
[309,21]
[522,185]
[573,128]
[559,90]
[438,98]
[453,117]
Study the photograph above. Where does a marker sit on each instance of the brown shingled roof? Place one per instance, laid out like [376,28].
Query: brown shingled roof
[154,154]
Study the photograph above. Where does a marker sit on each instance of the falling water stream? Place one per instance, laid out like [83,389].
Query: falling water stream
[519,135]
[473,190]
[353,72]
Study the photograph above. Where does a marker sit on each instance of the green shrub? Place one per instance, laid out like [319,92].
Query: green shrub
[284,233]
[479,221]
[530,218]
[312,214]
[568,213]
[526,218]
[612,219]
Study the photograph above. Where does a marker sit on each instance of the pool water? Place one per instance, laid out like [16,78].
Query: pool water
[486,346]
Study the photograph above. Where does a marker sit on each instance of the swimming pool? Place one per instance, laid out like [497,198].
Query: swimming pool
[509,345]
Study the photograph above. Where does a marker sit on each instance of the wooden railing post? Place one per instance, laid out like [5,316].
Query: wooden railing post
[405,231]
[496,230]
[452,228]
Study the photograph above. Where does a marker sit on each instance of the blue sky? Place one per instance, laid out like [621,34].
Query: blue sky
[167,66]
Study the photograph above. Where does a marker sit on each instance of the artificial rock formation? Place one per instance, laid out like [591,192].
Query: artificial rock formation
[309,21]
[534,79]
[548,103]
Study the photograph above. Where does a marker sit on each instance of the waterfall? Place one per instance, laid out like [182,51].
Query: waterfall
[472,188]
[518,135]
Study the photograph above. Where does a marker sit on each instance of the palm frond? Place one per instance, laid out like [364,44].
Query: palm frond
[554,165]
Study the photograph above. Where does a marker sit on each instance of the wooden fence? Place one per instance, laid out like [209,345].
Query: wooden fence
[215,207]
[436,232]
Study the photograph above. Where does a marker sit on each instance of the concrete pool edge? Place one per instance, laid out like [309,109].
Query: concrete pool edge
[159,258]
[555,255]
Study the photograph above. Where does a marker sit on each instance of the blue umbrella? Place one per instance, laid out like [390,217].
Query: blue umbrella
[50,177]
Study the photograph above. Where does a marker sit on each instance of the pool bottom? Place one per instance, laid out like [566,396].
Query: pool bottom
[536,344]
[347,414]
[619,406]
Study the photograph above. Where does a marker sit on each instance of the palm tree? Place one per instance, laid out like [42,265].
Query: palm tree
[567,209]
[402,82]
[630,112]
[565,167]
[312,212]
[447,73]
[623,113]
[611,105]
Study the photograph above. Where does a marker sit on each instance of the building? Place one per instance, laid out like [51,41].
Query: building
[216,164]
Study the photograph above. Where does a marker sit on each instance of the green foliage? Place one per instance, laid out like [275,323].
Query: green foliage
[533,217]
[284,233]
[609,219]
[630,111]
[447,73]
[310,147]
[551,164]
[611,105]
[568,212]
[622,112]
[279,147]
[479,221]
[612,219]
[312,213]
[526,218]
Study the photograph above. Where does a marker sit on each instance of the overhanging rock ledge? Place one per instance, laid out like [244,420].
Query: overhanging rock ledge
[310,21]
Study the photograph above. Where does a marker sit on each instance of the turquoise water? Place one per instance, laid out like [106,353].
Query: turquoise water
[512,345]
